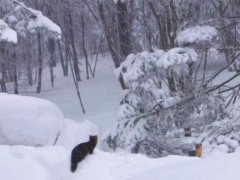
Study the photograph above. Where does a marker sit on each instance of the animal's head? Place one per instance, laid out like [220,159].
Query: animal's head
[198,146]
[93,139]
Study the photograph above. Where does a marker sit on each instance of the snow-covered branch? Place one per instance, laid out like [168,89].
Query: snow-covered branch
[28,19]
[196,35]
[6,33]
[38,20]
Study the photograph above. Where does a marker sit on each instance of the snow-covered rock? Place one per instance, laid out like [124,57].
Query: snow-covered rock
[29,121]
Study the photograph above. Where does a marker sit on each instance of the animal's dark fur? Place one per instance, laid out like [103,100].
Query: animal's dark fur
[81,150]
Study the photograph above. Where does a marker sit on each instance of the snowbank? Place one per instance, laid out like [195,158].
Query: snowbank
[29,121]
[28,163]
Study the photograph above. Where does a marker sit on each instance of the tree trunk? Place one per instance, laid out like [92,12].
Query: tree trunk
[75,57]
[15,71]
[3,75]
[115,56]
[84,48]
[3,68]
[40,63]
[62,61]
[123,29]
[161,29]
[52,61]
[27,58]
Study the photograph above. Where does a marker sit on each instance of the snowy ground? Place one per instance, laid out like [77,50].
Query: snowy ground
[53,163]
[219,167]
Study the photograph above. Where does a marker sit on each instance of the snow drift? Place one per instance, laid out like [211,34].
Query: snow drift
[28,163]
[29,121]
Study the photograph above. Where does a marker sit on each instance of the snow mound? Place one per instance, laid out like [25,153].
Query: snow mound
[29,121]
[28,163]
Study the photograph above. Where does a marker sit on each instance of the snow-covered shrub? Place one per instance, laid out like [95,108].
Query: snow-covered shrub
[29,121]
[152,118]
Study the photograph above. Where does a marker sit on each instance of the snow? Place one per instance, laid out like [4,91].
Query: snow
[21,162]
[12,19]
[101,95]
[29,121]
[136,65]
[53,163]
[230,142]
[75,133]
[6,33]
[220,167]
[196,34]
[39,21]
[42,21]
[177,56]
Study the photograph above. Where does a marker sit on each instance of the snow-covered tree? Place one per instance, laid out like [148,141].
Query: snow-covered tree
[152,119]
[17,22]
[22,19]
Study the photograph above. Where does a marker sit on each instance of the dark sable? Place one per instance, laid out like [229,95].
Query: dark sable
[81,150]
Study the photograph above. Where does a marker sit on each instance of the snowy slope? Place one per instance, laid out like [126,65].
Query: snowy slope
[101,95]
[29,121]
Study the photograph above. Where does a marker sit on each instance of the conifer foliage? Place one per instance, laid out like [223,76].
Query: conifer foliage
[153,117]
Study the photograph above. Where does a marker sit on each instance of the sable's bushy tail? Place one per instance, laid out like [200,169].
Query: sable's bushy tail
[73,167]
